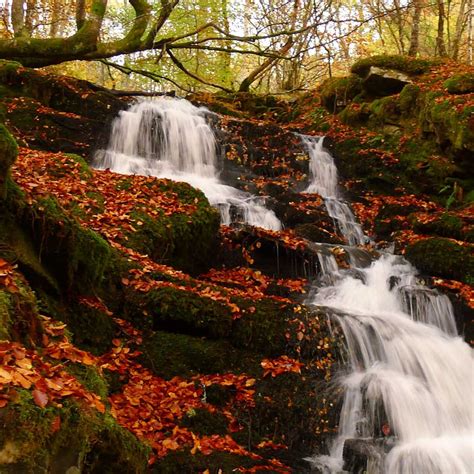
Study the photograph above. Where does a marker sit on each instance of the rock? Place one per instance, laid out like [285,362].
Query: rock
[337,92]
[8,154]
[460,84]
[443,257]
[357,453]
[382,82]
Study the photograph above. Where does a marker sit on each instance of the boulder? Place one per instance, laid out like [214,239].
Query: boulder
[382,81]
[8,154]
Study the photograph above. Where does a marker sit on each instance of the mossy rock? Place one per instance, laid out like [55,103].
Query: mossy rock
[186,242]
[186,463]
[90,378]
[444,258]
[32,446]
[406,64]
[451,127]
[384,110]
[336,92]
[75,256]
[8,154]
[19,315]
[407,100]
[178,310]
[205,423]
[446,225]
[6,308]
[355,114]
[460,83]
[92,330]
[169,355]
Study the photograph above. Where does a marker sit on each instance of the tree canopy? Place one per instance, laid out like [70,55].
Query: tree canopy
[231,44]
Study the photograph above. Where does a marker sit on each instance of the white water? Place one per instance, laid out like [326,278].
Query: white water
[407,366]
[171,138]
[323,174]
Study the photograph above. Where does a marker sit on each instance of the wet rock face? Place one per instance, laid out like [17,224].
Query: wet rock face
[382,82]
[55,113]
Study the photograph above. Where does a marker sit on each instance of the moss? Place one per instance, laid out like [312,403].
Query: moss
[91,329]
[116,450]
[184,241]
[404,64]
[355,114]
[178,310]
[8,154]
[337,91]
[263,329]
[444,258]
[74,255]
[186,463]
[451,126]
[460,83]
[169,355]
[408,97]
[84,437]
[447,225]
[90,378]
[5,315]
[205,423]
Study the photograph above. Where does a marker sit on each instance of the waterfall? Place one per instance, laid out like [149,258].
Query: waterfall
[171,138]
[324,177]
[408,368]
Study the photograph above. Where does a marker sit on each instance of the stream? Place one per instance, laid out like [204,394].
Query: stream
[407,368]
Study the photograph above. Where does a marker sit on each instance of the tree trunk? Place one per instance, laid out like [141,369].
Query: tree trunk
[269,62]
[415,32]
[440,44]
[18,18]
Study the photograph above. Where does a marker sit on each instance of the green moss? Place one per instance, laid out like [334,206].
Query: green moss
[447,225]
[460,83]
[186,463]
[91,329]
[444,258]
[205,423]
[408,98]
[8,154]
[85,437]
[176,310]
[263,330]
[5,315]
[169,355]
[90,378]
[184,241]
[337,91]
[404,64]
[355,114]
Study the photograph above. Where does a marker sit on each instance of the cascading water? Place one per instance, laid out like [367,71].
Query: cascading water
[408,368]
[171,138]
[323,174]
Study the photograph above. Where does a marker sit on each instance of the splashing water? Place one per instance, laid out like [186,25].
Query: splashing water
[171,138]
[407,365]
[323,174]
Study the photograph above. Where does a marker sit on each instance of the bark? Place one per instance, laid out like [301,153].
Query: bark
[415,32]
[460,27]
[269,62]
[18,18]
[80,13]
[440,44]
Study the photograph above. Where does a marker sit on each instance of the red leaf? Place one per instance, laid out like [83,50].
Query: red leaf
[40,398]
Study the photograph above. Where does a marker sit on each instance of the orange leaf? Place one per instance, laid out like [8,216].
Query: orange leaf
[40,398]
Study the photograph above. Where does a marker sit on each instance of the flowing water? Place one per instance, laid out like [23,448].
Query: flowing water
[324,181]
[407,366]
[171,138]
